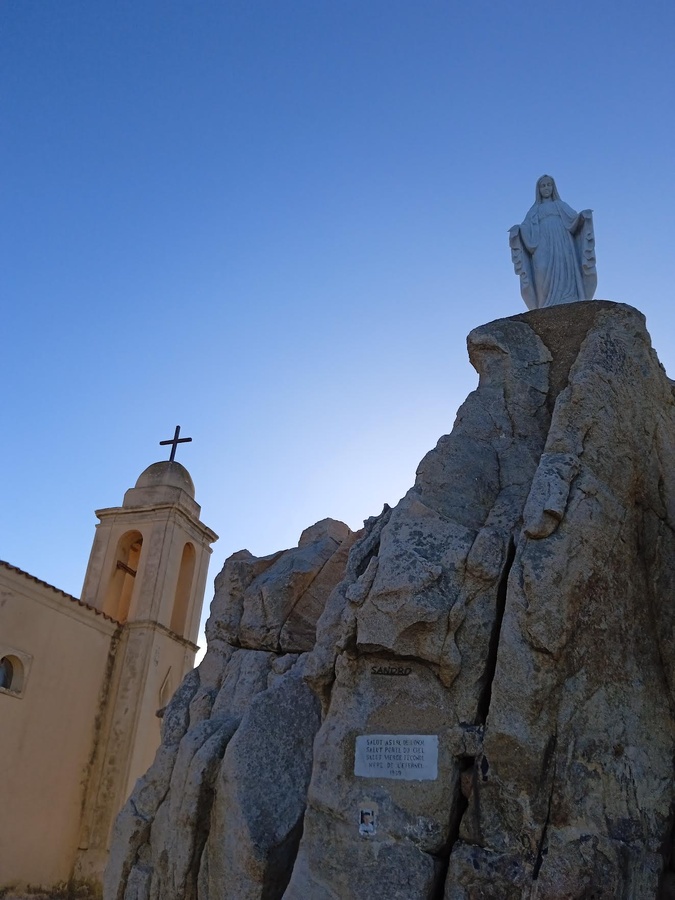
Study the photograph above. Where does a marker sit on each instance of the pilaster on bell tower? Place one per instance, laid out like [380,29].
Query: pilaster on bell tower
[147,570]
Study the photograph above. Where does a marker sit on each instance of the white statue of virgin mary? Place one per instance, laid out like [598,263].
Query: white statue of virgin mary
[553,250]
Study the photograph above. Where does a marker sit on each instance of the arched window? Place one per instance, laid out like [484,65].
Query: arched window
[181,601]
[11,673]
[6,672]
[123,578]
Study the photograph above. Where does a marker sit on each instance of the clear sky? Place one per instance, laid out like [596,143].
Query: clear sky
[273,222]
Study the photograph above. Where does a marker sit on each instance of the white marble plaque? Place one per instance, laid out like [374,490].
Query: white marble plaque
[406,757]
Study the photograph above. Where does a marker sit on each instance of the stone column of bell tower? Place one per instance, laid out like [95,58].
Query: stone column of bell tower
[147,570]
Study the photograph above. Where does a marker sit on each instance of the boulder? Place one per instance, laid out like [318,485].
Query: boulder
[472,697]
[241,723]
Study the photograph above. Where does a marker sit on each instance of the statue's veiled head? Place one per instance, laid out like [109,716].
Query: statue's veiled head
[546,189]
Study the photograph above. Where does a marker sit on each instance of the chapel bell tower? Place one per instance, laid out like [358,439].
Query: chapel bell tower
[150,556]
[147,571]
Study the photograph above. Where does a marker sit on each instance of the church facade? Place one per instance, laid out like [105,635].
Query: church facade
[82,680]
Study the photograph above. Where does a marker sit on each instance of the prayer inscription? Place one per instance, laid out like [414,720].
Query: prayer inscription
[405,757]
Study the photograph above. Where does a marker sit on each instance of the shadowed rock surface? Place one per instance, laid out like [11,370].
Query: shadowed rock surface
[219,813]
[524,585]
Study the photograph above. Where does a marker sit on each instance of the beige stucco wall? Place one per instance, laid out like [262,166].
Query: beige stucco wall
[130,731]
[47,733]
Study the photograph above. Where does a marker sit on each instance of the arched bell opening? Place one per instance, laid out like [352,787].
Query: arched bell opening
[181,601]
[122,581]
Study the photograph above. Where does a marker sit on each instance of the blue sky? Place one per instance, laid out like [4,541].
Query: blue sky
[275,221]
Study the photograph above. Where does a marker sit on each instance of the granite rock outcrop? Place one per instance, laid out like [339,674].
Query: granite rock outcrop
[516,605]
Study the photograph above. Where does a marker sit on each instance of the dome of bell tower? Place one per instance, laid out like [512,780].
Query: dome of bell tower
[167,473]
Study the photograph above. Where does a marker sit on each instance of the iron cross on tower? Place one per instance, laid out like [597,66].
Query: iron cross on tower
[175,442]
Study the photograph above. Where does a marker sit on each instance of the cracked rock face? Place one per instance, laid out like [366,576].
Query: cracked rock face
[219,813]
[517,605]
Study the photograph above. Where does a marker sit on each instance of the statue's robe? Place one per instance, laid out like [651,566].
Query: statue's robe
[553,252]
